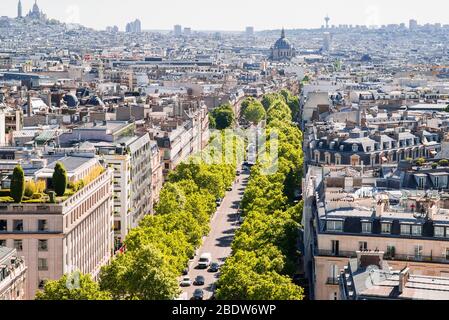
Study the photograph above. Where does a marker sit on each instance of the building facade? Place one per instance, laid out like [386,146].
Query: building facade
[13,275]
[55,239]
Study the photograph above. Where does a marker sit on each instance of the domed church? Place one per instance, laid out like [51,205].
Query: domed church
[282,49]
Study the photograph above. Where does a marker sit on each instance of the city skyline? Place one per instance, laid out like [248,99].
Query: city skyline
[232,16]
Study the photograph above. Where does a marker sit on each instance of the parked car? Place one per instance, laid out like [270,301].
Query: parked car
[238,174]
[198,294]
[230,188]
[214,267]
[205,261]
[186,282]
[219,202]
[186,271]
[199,281]
[241,220]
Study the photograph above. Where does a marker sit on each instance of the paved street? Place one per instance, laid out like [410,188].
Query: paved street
[218,243]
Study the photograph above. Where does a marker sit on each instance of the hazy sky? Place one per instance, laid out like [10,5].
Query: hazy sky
[235,14]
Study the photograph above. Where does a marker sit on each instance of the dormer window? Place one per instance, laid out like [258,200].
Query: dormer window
[386,228]
[355,147]
[417,231]
[405,229]
[342,148]
[367,227]
[334,225]
[439,232]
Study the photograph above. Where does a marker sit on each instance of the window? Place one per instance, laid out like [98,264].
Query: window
[405,230]
[43,245]
[2,243]
[355,147]
[418,252]
[366,227]
[334,275]
[386,228]
[335,247]
[363,246]
[447,254]
[42,225]
[18,245]
[18,225]
[42,264]
[3,225]
[417,231]
[439,232]
[335,226]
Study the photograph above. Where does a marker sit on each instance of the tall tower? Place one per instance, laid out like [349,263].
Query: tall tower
[19,9]
[327,19]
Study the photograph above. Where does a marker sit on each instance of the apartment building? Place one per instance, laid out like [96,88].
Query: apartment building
[13,275]
[131,159]
[75,233]
[348,211]
[185,135]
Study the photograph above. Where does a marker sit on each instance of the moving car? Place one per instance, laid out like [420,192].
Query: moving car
[214,267]
[205,261]
[198,294]
[186,282]
[199,281]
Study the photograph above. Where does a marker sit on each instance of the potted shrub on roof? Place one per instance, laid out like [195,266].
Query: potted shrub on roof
[60,180]
[18,184]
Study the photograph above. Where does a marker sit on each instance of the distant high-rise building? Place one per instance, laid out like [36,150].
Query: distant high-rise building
[250,32]
[134,27]
[187,31]
[327,19]
[19,9]
[413,25]
[177,31]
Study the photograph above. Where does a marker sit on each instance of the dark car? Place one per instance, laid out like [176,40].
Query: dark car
[186,271]
[199,281]
[198,294]
[214,267]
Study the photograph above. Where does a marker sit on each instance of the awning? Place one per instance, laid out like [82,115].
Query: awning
[433,153]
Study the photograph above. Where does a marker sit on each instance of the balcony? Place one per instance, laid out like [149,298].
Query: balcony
[388,257]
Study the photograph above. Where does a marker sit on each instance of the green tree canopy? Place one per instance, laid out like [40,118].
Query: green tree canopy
[76,286]
[18,184]
[145,274]
[254,113]
[60,179]
[222,117]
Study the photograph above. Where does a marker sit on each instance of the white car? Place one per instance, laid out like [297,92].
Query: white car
[205,261]
[186,282]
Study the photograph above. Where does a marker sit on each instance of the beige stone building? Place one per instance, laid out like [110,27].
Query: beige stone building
[75,234]
[13,275]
